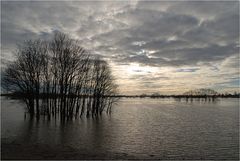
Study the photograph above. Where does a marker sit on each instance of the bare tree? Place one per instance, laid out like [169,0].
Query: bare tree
[60,72]
[24,74]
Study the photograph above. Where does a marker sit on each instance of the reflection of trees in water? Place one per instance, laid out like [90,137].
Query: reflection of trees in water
[87,135]
[202,99]
[60,77]
[198,95]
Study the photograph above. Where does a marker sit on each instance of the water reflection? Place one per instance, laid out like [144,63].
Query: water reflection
[197,99]
[137,129]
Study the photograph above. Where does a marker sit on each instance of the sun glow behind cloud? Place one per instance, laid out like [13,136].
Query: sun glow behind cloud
[134,68]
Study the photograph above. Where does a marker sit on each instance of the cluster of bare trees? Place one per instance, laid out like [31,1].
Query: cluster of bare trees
[58,76]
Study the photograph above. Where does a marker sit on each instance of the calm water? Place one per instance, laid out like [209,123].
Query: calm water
[137,129]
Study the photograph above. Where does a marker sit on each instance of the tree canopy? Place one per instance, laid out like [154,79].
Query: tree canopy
[59,76]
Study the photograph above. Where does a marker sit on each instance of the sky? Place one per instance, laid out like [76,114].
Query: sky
[152,47]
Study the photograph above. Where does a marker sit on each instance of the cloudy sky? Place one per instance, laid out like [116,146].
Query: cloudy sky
[165,47]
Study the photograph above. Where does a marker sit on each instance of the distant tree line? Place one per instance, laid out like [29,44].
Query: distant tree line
[59,76]
[204,93]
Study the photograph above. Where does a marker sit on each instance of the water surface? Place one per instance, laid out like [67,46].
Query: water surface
[137,129]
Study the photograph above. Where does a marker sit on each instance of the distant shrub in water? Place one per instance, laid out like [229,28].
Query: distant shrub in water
[201,92]
[58,76]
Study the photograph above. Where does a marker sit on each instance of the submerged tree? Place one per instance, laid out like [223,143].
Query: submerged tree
[23,75]
[64,75]
[201,92]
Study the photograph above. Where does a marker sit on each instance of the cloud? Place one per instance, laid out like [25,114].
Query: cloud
[187,70]
[196,39]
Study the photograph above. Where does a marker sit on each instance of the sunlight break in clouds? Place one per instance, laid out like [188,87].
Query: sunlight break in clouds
[165,47]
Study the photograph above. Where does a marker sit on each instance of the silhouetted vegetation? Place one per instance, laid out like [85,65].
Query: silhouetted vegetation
[59,76]
[199,94]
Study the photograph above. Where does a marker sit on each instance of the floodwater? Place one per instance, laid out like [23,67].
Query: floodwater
[137,129]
